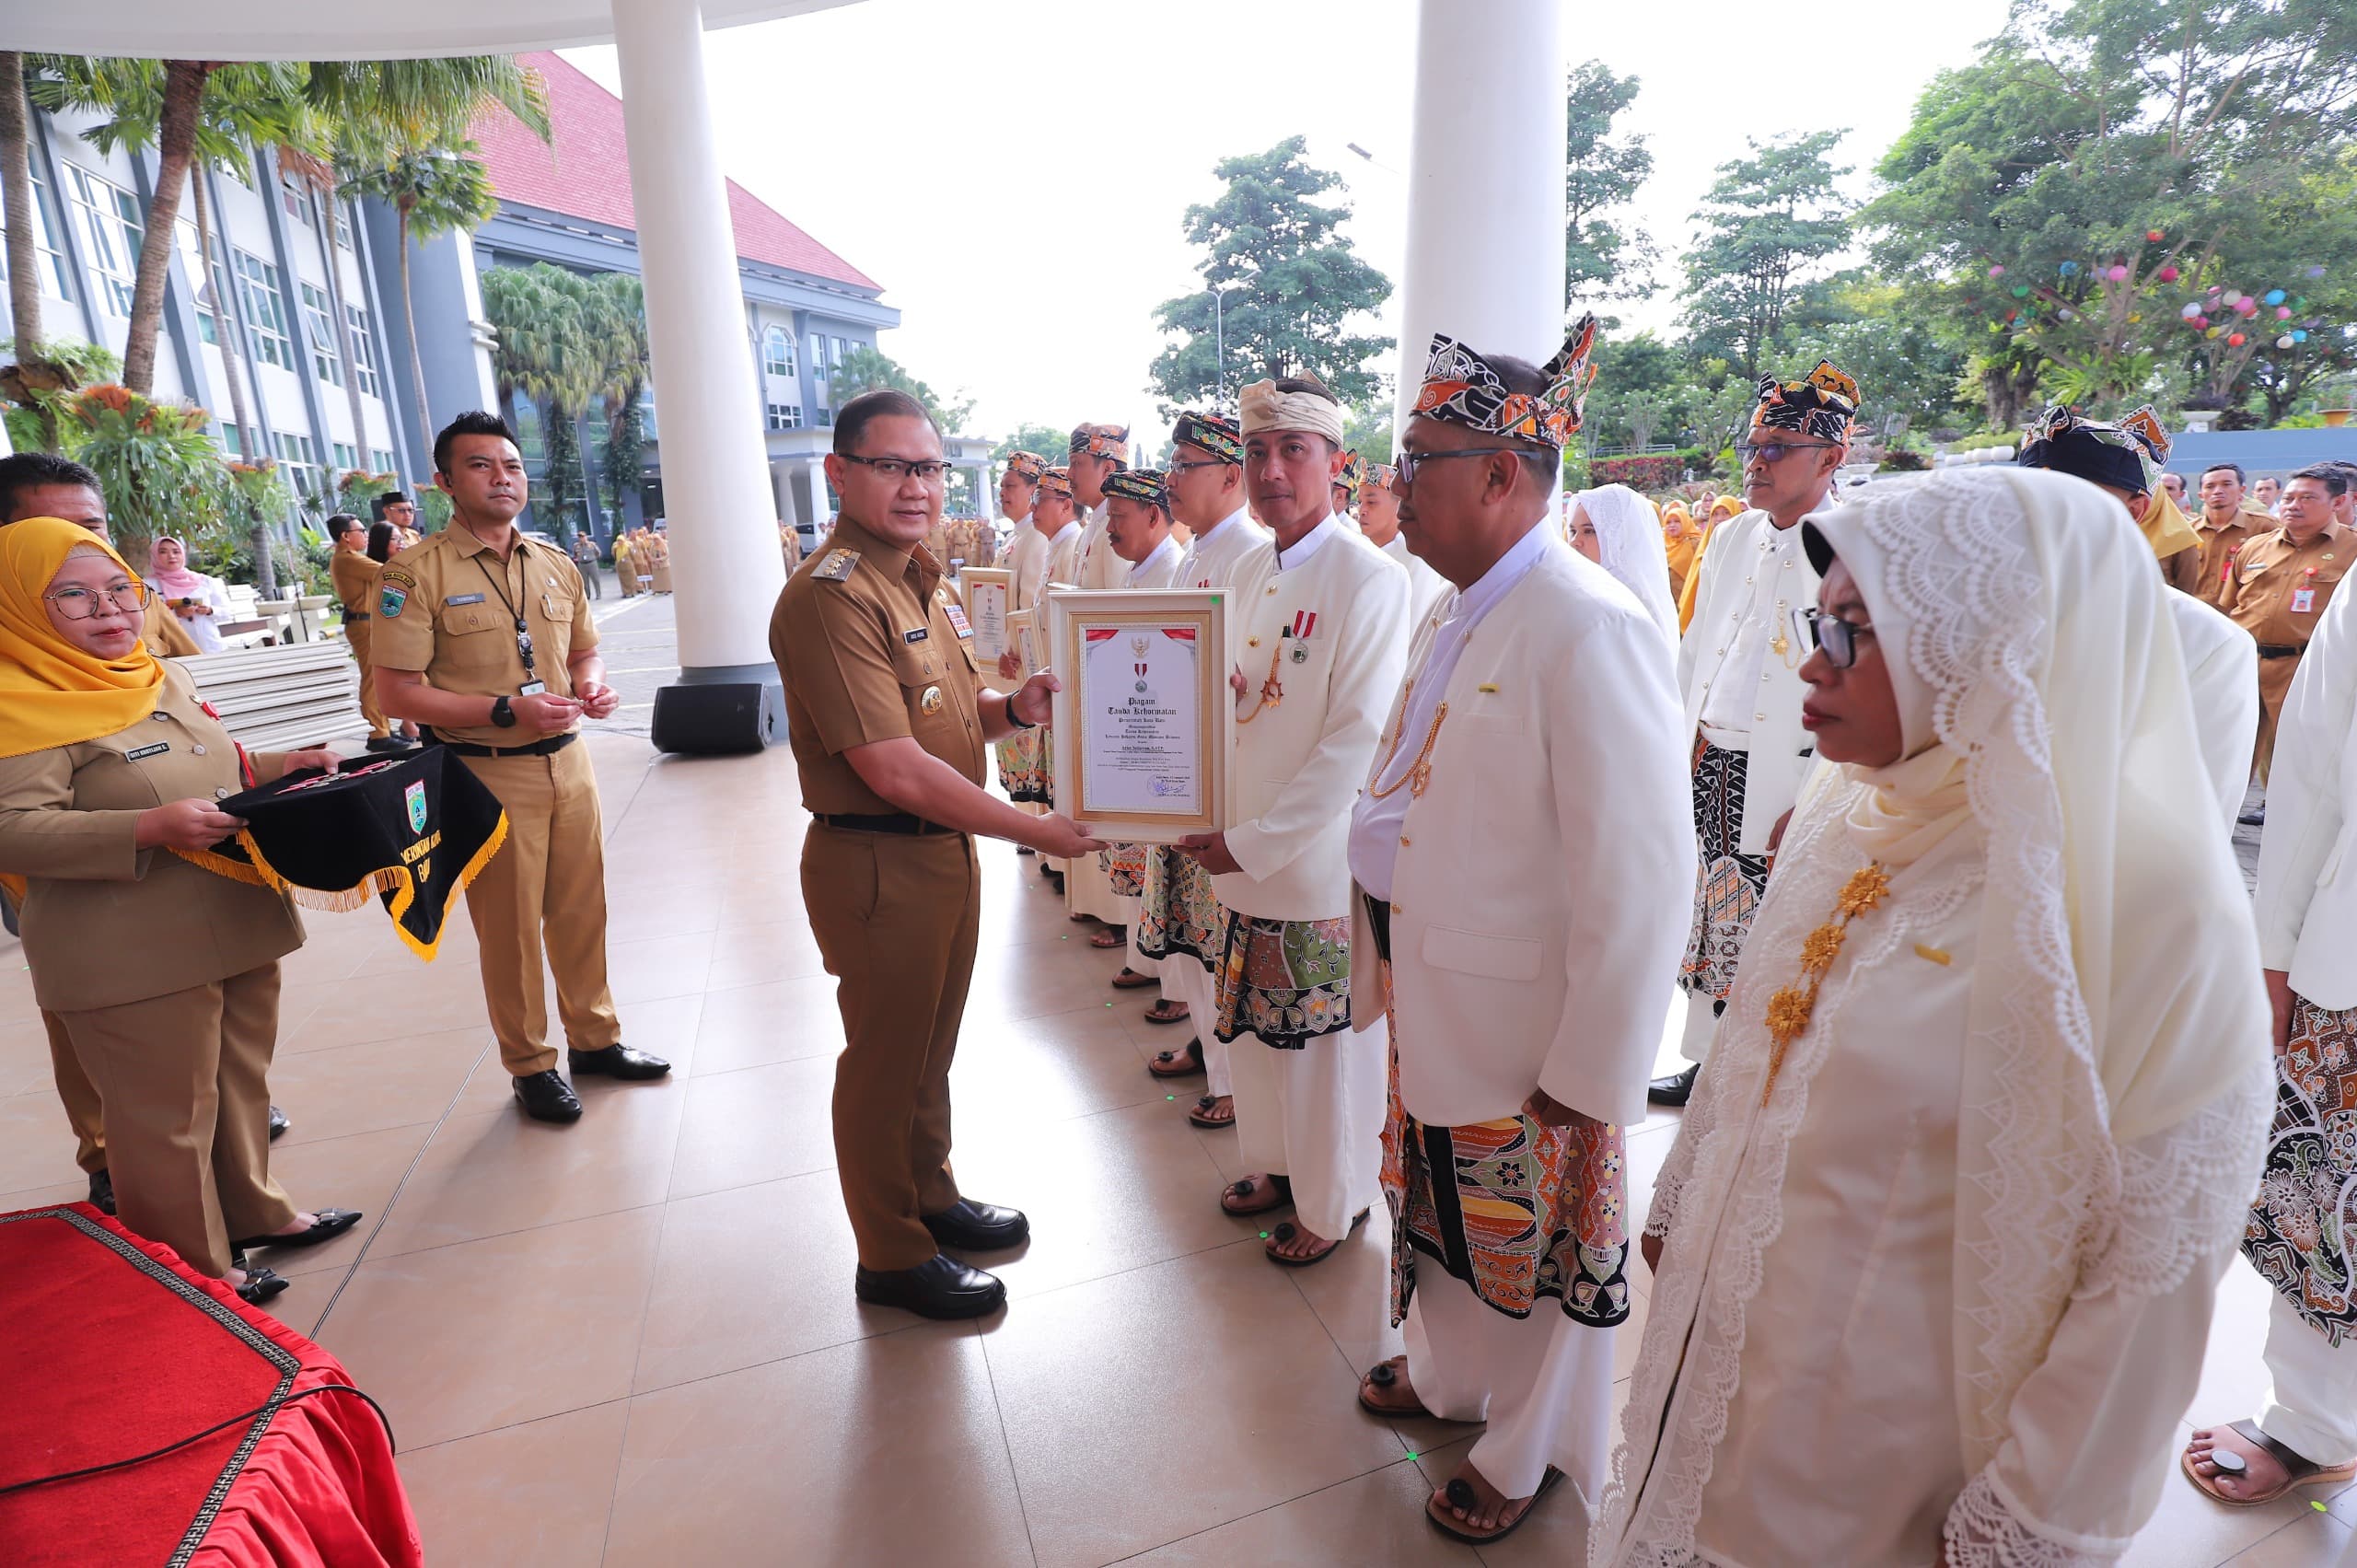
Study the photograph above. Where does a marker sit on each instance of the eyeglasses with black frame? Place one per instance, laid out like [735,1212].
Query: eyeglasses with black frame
[1407,461]
[898,469]
[1775,451]
[1176,466]
[80,604]
[1827,633]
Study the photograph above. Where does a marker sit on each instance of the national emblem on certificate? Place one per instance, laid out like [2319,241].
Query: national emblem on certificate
[1143,725]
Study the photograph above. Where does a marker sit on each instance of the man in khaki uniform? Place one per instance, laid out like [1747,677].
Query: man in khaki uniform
[890,720]
[2226,523]
[2278,583]
[486,636]
[353,577]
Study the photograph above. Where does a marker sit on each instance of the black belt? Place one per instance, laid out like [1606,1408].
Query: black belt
[1379,920]
[349,618]
[553,744]
[2281,650]
[885,822]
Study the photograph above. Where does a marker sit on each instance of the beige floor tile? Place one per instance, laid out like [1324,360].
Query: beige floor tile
[664,1028]
[411,1004]
[756,1125]
[1373,1521]
[24,1054]
[74,1191]
[1212,1363]
[2190,1531]
[36,1145]
[750,1469]
[357,1172]
[784,1020]
[760,955]
[490,1172]
[2234,1373]
[460,1340]
[636,912]
[2316,1541]
[665,966]
[534,1495]
[1555,1533]
[365,1089]
[1057,975]
[1029,1071]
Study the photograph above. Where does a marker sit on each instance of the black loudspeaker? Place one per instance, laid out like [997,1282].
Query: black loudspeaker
[723,717]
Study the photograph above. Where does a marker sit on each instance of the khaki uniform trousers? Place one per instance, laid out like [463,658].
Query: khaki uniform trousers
[77,1094]
[2274,685]
[896,918]
[182,1076]
[357,636]
[544,892]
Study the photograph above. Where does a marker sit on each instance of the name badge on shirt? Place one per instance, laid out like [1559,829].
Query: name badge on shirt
[956,614]
[144,752]
[2303,600]
[531,688]
[457,600]
[917,635]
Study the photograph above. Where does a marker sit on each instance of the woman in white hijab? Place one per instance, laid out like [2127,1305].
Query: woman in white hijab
[1616,528]
[1940,1238]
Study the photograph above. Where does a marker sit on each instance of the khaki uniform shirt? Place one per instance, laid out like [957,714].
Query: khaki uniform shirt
[164,634]
[2278,590]
[2219,543]
[447,610]
[105,922]
[869,651]
[353,577]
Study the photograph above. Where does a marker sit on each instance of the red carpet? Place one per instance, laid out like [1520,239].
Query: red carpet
[114,1348]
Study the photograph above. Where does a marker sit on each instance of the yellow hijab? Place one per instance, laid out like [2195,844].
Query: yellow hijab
[51,693]
[2166,528]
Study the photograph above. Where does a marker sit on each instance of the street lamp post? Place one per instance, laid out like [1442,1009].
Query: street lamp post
[1219,342]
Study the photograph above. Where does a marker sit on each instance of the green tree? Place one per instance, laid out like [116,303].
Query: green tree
[546,353]
[1289,288]
[1767,219]
[1048,444]
[433,189]
[622,388]
[865,368]
[1367,431]
[1601,258]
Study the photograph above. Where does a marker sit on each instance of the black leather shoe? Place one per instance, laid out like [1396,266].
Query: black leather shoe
[938,1287]
[979,1228]
[617,1062]
[278,1124]
[2254,817]
[1676,1090]
[389,743]
[328,1224]
[548,1097]
[102,1190]
[262,1284]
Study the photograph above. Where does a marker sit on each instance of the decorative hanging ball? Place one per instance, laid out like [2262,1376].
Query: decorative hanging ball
[2283,313]
[2300,335]
[2192,308]
[2274,297]
[2020,291]
[2213,331]
[2134,316]
[1997,270]
[2115,272]
[2064,313]
[2286,341]
[2235,340]
[2204,321]
[2070,268]
[2315,272]
[2215,288]
[2166,274]
[2154,234]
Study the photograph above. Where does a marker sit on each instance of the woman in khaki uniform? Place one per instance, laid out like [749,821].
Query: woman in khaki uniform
[166,975]
[660,548]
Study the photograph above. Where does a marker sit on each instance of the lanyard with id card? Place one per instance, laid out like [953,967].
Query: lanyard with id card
[533,685]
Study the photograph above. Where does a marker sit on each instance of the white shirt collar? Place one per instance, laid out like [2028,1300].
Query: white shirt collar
[1508,570]
[1058,537]
[1168,548]
[1308,544]
[1213,531]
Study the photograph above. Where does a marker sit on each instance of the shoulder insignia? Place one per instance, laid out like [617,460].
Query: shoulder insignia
[398,576]
[390,599]
[836,567]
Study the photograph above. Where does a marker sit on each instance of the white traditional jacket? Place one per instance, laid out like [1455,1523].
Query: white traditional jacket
[1159,570]
[1063,562]
[1334,628]
[1545,878]
[1026,559]
[1099,568]
[1426,588]
[2307,859]
[1736,613]
[2221,670]
[1234,553]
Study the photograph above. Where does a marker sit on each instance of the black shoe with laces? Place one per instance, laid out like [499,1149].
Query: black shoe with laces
[547,1096]
[102,1190]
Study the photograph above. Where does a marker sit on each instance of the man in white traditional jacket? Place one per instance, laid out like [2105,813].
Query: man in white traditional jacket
[1323,643]
[1183,926]
[1738,669]
[1052,515]
[1379,520]
[1522,860]
[1098,452]
[1025,555]
[1139,502]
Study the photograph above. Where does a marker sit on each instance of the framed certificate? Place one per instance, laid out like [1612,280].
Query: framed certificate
[989,592]
[1023,637]
[1144,723]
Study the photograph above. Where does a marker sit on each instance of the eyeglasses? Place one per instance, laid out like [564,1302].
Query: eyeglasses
[80,604]
[898,469]
[1773,451]
[1829,634]
[1178,467]
[1408,460]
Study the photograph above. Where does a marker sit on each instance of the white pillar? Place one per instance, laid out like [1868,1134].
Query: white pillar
[814,468]
[725,564]
[1485,184]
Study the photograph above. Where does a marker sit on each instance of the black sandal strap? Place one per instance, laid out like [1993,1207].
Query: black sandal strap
[2298,1467]
[1383,1374]
[1283,1232]
[1460,1495]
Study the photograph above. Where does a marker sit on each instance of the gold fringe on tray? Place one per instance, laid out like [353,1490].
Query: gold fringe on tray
[395,880]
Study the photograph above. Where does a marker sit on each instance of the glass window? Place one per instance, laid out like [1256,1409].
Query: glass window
[532,440]
[777,352]
[320,327]
[824,418]
[384,460]
[112,221]
[301,461]
[347,457]
[785,416]
[297,200]
[232,441]
[342,226]
[364,349]
[265,310]
[55,276]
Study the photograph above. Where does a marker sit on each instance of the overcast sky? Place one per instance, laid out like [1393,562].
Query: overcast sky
[1016,174]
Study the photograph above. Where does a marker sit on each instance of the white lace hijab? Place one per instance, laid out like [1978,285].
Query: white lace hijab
[2117,993]
[1628,536]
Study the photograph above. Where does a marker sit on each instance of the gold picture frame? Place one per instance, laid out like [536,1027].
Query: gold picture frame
[988,593]
[1140,771]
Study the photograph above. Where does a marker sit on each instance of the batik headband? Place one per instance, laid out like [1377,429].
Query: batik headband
[1215,432]
[1380,475]
[1088,443]
[1028,465]
[1353,471]
[2127,456]
[1459,387]
[1056,481]
[1149,485]
[1821,403]
[1264,407]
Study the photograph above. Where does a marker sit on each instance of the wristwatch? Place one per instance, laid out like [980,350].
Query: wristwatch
[1017,720]
[502,714]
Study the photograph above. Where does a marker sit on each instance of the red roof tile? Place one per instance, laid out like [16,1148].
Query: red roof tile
[586,174]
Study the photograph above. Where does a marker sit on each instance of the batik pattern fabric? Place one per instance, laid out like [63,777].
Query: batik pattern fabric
[1284,981]
[1460,388]
[1018,765]
[1028,465]
[2299,1237]
[1215,432]
[1517,1210]
[1179,915]
[1125,868]
[1728,886]
[1149,485]
[1821,403]
[2127,455]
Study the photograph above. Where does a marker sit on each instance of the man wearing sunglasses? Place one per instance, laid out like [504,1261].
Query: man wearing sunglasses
[1738,667]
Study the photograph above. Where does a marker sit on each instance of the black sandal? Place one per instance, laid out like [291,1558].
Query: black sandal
[328,1224]
[1160,1013]
[1280,1194]
[1383,1374]
[1184,1063]
[1287,1230]
[262,1284]
[1460,1495]
[1200,1113]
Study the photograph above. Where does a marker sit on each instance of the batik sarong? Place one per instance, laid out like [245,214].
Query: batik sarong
[1125,868]
[1023,760]
[1286,982]
[1727,889]
[1515,1208]
[2300,1230]
[1179,915]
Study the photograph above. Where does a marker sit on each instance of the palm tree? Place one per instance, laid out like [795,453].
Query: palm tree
[432,189]
[624,385]
[547,353]
[16,196]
